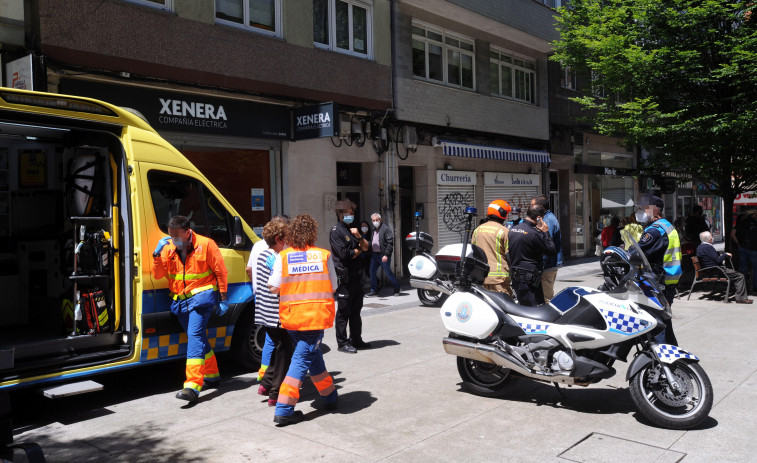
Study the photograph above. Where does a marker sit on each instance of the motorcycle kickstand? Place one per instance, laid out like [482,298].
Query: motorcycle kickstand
[559,391]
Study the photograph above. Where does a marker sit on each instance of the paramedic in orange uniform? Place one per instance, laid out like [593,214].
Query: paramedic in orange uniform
[197,280]
[305,279]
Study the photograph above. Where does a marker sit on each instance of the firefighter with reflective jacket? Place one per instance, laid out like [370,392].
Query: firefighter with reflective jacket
[491,236]
[197,280]
[528,243]
[662,247]
[305,278]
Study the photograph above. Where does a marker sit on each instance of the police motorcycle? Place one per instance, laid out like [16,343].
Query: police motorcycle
[576,338]
[433,287]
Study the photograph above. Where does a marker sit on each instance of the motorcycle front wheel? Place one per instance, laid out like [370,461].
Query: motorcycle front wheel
[682,409]
[484,379]
[430,298]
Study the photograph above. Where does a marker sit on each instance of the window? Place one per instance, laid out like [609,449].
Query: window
[443,57]
[512,77]
[259,15]
[174,194]
[161,4]
[568,79]
[343,25]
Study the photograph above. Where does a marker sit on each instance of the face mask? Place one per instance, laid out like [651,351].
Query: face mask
[376,224]
[365,229]
[178,243]
[641,216]
[348,219]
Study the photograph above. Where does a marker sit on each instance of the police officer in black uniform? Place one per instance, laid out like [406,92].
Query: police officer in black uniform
[528,242]
[347,245]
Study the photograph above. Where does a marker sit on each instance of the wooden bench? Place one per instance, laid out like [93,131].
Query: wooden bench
[700,276]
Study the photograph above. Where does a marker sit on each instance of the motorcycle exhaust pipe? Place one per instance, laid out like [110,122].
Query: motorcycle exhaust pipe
[490,354]
[429,284]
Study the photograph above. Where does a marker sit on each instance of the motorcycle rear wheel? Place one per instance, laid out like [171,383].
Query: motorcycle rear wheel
[665,408]
[431,298]
[484,379]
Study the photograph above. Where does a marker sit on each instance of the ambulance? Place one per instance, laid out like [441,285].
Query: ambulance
[86,192]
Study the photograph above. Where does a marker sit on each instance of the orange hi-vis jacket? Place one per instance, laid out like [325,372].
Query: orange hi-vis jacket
[306,298]
[204,268]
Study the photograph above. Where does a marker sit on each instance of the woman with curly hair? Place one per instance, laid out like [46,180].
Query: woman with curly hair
[305,280]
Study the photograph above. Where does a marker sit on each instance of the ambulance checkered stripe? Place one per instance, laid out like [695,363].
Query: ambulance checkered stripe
[622,322]
[171,345]
[668,351]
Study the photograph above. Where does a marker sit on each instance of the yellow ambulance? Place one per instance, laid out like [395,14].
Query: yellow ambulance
[86,191]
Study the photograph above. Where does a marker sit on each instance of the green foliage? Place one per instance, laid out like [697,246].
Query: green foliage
[679,78]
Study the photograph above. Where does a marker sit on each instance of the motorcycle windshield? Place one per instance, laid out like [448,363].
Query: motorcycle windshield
[637,257]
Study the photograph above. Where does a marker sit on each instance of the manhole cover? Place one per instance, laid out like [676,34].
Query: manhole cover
[375,306]
[598,448]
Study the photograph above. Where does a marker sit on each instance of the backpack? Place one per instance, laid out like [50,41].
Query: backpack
[95,311]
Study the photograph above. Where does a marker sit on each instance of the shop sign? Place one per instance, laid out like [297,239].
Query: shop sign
[455,177]
[507,179]
[19,73]
[315,121]
[188,112]
[599,170]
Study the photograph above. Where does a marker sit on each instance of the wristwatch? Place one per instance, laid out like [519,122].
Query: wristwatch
[156,254]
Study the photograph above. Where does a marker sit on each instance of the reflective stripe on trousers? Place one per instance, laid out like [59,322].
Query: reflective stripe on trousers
[307,356]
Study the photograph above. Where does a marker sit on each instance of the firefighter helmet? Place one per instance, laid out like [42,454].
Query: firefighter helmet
[499,209]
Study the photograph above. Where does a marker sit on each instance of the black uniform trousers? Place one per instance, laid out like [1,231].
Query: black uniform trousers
[349,304]
[281,357]
[528,292]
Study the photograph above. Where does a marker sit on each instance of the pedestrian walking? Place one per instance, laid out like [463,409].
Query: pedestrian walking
[382,245]
[305,278]
[267,312]
[197,279]
[661,245]
[551,263]
[347,245]
[257,249]
[528,242]
[491,236]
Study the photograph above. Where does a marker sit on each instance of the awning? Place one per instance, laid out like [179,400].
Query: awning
[470,150]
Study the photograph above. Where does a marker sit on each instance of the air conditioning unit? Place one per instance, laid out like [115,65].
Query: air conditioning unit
[410,137]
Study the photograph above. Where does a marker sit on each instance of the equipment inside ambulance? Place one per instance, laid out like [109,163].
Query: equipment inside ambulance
[86,191]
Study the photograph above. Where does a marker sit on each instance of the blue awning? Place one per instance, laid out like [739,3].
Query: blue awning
[470,150]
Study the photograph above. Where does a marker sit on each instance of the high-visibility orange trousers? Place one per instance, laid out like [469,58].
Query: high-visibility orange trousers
[307,356]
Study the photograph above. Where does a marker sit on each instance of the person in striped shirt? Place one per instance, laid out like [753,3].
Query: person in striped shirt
[267,311]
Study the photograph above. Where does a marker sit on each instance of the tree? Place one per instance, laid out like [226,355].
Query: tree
[677,77]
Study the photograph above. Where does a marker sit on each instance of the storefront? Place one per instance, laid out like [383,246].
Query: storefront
[601,193]
[516,189]
[235,143]
[455,190]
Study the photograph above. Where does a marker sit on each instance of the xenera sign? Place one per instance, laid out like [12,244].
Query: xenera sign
[188,112]
[315,121]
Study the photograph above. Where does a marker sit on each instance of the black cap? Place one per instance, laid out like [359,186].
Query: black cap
[657,201]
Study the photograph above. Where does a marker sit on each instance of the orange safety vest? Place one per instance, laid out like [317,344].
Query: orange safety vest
[306,298]
[204,268]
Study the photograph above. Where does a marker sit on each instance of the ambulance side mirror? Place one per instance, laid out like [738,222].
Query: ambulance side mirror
[239,240]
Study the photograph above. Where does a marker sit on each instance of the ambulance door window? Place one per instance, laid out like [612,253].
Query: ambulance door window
[218,219]
[174,194]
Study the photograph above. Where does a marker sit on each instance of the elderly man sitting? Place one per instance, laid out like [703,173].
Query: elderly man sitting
[709,257]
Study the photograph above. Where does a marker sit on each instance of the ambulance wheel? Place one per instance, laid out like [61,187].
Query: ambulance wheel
[484,379]
[247,343]
[430,298]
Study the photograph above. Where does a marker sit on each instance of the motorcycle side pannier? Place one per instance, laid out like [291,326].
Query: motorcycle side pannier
[475,265]
[426,241]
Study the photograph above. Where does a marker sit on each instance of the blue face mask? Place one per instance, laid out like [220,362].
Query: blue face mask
[348,219]
[178,243]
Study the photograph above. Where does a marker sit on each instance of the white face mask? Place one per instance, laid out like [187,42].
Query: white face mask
[364,229]
[641,217]
[376,224]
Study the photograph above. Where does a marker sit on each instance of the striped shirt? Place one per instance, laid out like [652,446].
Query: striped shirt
[266,303]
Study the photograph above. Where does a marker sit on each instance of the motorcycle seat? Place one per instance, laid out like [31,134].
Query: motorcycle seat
[504,302]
